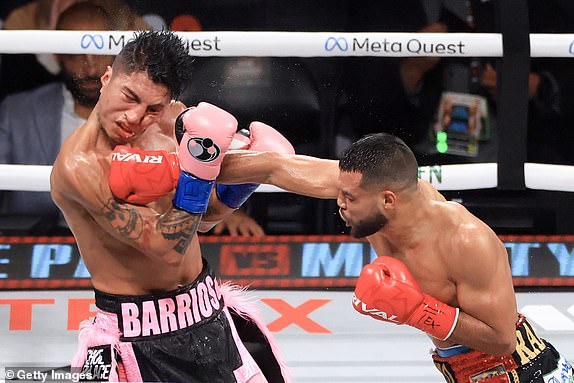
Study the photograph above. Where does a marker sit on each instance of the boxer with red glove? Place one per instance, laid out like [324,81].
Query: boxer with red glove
[142,176]
[259,137]
[387,291]
[203,135]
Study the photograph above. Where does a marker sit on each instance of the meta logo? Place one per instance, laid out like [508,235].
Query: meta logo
[571,48]
[88,40]
[97,41]
[339,43]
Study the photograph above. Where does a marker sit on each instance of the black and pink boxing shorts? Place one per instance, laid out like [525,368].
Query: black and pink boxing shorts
[186,335]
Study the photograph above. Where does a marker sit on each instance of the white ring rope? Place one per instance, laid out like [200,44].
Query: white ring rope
[296,44]
[443,177]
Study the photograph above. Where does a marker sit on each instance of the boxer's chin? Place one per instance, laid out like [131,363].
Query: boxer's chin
[368,226]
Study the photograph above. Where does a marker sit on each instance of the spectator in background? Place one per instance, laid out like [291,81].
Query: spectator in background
[403,95]
[33,124]
[26,71]
[550,85]
[398,94]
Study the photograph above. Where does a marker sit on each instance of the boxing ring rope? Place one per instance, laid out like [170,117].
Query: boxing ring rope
[287,44]
[443,177]
[309,44]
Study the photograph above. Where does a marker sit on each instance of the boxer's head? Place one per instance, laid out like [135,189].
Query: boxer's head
[150,71]
[373,172]
[162,56]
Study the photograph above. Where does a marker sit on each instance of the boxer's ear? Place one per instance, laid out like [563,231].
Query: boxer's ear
[105,79]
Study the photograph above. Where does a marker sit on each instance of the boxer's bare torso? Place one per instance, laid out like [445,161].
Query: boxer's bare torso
[457,259]
[116,240]
[453,256]
[128,249]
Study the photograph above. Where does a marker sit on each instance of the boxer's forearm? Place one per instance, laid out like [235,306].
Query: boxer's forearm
[216,212]
[310,176]
[480,336]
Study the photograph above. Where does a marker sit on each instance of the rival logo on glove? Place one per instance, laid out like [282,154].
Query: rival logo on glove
[135,157]
[203,149]
[363,309]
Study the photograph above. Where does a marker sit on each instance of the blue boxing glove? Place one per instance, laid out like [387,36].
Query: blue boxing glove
[235,195]
[261,138]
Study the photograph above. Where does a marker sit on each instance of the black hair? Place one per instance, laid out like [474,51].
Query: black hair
[162,55]
[383,160]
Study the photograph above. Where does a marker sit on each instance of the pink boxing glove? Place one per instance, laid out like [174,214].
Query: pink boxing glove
[259,137]
[203,134]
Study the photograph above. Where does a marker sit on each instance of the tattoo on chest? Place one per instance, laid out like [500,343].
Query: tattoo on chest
[181,226]
[177,225]
[128,222]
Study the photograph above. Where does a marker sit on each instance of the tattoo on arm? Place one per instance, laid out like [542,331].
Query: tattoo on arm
[181,226]
[128,222]
[177,225]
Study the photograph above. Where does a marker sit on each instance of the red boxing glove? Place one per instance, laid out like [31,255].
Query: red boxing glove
[142,176]
[387,291]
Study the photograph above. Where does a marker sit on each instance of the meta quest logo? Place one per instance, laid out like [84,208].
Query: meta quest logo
[413,46]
